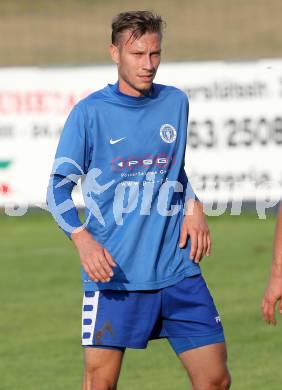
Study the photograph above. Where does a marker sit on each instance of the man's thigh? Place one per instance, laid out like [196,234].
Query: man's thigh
[207,366]
[194,330]
[102,366]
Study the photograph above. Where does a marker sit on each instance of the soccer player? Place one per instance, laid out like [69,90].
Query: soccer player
[273,292]
[145,231]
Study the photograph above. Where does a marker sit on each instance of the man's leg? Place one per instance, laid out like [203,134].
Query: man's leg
[206,367]
[101,368]
[189,310]
[111,321]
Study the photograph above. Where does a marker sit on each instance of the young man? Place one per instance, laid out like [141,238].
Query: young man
[273,292]
[145,231]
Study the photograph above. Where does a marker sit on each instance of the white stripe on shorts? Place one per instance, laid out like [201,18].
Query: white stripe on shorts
[89,314]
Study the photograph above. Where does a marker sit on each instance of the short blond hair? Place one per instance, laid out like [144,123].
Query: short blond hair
[139,22]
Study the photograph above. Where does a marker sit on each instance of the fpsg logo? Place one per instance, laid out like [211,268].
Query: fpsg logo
[168,133]
[132,163]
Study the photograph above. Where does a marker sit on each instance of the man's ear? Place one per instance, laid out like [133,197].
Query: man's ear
[114,53]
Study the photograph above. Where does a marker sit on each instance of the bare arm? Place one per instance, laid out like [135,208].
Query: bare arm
[273,292]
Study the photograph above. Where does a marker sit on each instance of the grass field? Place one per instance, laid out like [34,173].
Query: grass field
[78,31]
[41,298]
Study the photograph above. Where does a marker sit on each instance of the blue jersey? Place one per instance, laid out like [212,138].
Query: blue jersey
[130,152]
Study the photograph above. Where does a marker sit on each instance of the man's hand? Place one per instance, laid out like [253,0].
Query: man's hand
[96,260]
[272,295]
[195,225]
[273,292]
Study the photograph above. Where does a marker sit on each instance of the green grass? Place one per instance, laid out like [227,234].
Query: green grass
[78,31]
[41,308]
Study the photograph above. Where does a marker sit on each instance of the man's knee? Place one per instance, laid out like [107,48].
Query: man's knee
[96,379]
[101,384]
[224,382]
[217,381]
[220,382]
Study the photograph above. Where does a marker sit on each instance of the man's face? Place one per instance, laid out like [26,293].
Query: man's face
[137,61]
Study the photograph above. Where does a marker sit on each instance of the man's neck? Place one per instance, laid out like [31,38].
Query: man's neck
[126,89]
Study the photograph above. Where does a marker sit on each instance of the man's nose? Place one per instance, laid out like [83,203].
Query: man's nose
[148,64]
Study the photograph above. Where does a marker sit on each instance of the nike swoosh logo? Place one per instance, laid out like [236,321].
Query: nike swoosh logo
[116,140]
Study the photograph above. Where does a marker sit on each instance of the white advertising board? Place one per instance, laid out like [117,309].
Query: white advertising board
[234,149]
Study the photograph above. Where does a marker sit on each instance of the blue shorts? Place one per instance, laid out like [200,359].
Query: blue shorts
[184,313]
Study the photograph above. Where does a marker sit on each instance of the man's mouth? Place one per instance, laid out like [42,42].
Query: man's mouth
[146,77]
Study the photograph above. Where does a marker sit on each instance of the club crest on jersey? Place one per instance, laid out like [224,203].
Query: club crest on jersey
[168,133]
